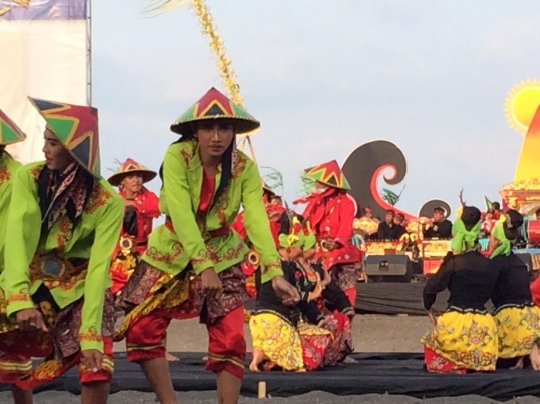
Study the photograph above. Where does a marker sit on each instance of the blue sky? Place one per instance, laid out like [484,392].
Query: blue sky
[324,77]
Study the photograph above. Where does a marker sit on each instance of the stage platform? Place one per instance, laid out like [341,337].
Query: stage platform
[396,374]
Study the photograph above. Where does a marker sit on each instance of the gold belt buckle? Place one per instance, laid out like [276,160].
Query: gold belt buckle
[126,244]
[52,267]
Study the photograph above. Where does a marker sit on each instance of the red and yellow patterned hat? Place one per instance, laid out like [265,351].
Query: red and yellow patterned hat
[9,132]
[328,174]
[76,127]
[130,167]
[215,105]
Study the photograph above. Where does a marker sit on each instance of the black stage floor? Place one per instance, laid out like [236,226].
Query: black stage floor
[396,374]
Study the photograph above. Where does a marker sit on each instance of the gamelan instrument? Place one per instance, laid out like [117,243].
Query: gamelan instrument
[533,231]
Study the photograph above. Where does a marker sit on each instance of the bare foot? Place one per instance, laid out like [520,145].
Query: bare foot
[258,357]
[519,364]
[205,358]
[301,370]
[348,359]
[171,358]
[254,367]
[535,358]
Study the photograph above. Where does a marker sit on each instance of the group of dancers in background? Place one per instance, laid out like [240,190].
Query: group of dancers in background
[74,253]
[467,337]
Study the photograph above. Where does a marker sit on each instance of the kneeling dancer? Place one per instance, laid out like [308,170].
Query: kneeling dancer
[465,336]
[63,225]
[516,316]
[192,264]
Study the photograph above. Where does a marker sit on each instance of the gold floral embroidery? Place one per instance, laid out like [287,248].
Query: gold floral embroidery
[5,174]
[22,296]
[239,167]
[202,257]
[221,205]
[64,234]
[35,171]
[90,336]
[187,155]
[48,313]
[98,198]
[47,370]
[270,266]
[67,284]
[167,258]
[230,254]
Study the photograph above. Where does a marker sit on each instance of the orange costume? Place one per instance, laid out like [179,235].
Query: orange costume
[330,212]
[137,223]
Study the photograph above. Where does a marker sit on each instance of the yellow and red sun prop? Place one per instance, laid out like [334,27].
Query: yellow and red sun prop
[521,105]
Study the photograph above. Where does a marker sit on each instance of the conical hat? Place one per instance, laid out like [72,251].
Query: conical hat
[76,127]
[215,105]
[130,166]
[329,174]
[9,132]
[266,188]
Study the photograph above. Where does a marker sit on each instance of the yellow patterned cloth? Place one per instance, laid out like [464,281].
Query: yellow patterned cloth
[466,339]
[518,329]
[277,339]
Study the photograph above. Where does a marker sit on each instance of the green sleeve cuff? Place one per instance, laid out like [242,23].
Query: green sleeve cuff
[90,339]
[88,345]
[201,262]
[17,302]
[270,271]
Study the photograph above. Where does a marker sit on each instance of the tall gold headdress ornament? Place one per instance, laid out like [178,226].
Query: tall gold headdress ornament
[216,44]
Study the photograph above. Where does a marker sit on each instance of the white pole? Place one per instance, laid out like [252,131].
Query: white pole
[89,52]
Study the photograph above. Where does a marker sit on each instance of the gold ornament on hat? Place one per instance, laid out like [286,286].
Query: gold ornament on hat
[223,63]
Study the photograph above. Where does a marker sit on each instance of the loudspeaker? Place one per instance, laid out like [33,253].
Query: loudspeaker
[389,268]
[527,259]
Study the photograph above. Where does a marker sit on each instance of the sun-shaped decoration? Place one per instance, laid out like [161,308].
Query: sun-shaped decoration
[522,103]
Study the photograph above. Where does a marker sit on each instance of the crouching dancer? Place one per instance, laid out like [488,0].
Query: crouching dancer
[63,225]
[192,264]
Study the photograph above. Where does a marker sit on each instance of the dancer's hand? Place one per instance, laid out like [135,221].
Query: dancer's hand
[285,291]
[322,323]
[92,359]
[433,314]
[211,284]
[317,291]
[30,320]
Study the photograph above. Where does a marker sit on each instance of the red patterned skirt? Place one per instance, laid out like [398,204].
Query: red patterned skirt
[315,342]
[341,344]
[60,346]
[152,299]
[435,363]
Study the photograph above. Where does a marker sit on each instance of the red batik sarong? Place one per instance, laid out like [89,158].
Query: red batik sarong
[60,348]
[435,363]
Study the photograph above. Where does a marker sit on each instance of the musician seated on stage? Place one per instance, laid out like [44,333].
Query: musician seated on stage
[496,207]
[441,227]
[388,230]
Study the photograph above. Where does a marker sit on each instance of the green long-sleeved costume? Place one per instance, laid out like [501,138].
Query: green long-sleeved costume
[94,238]
[191,242]
[8,168]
